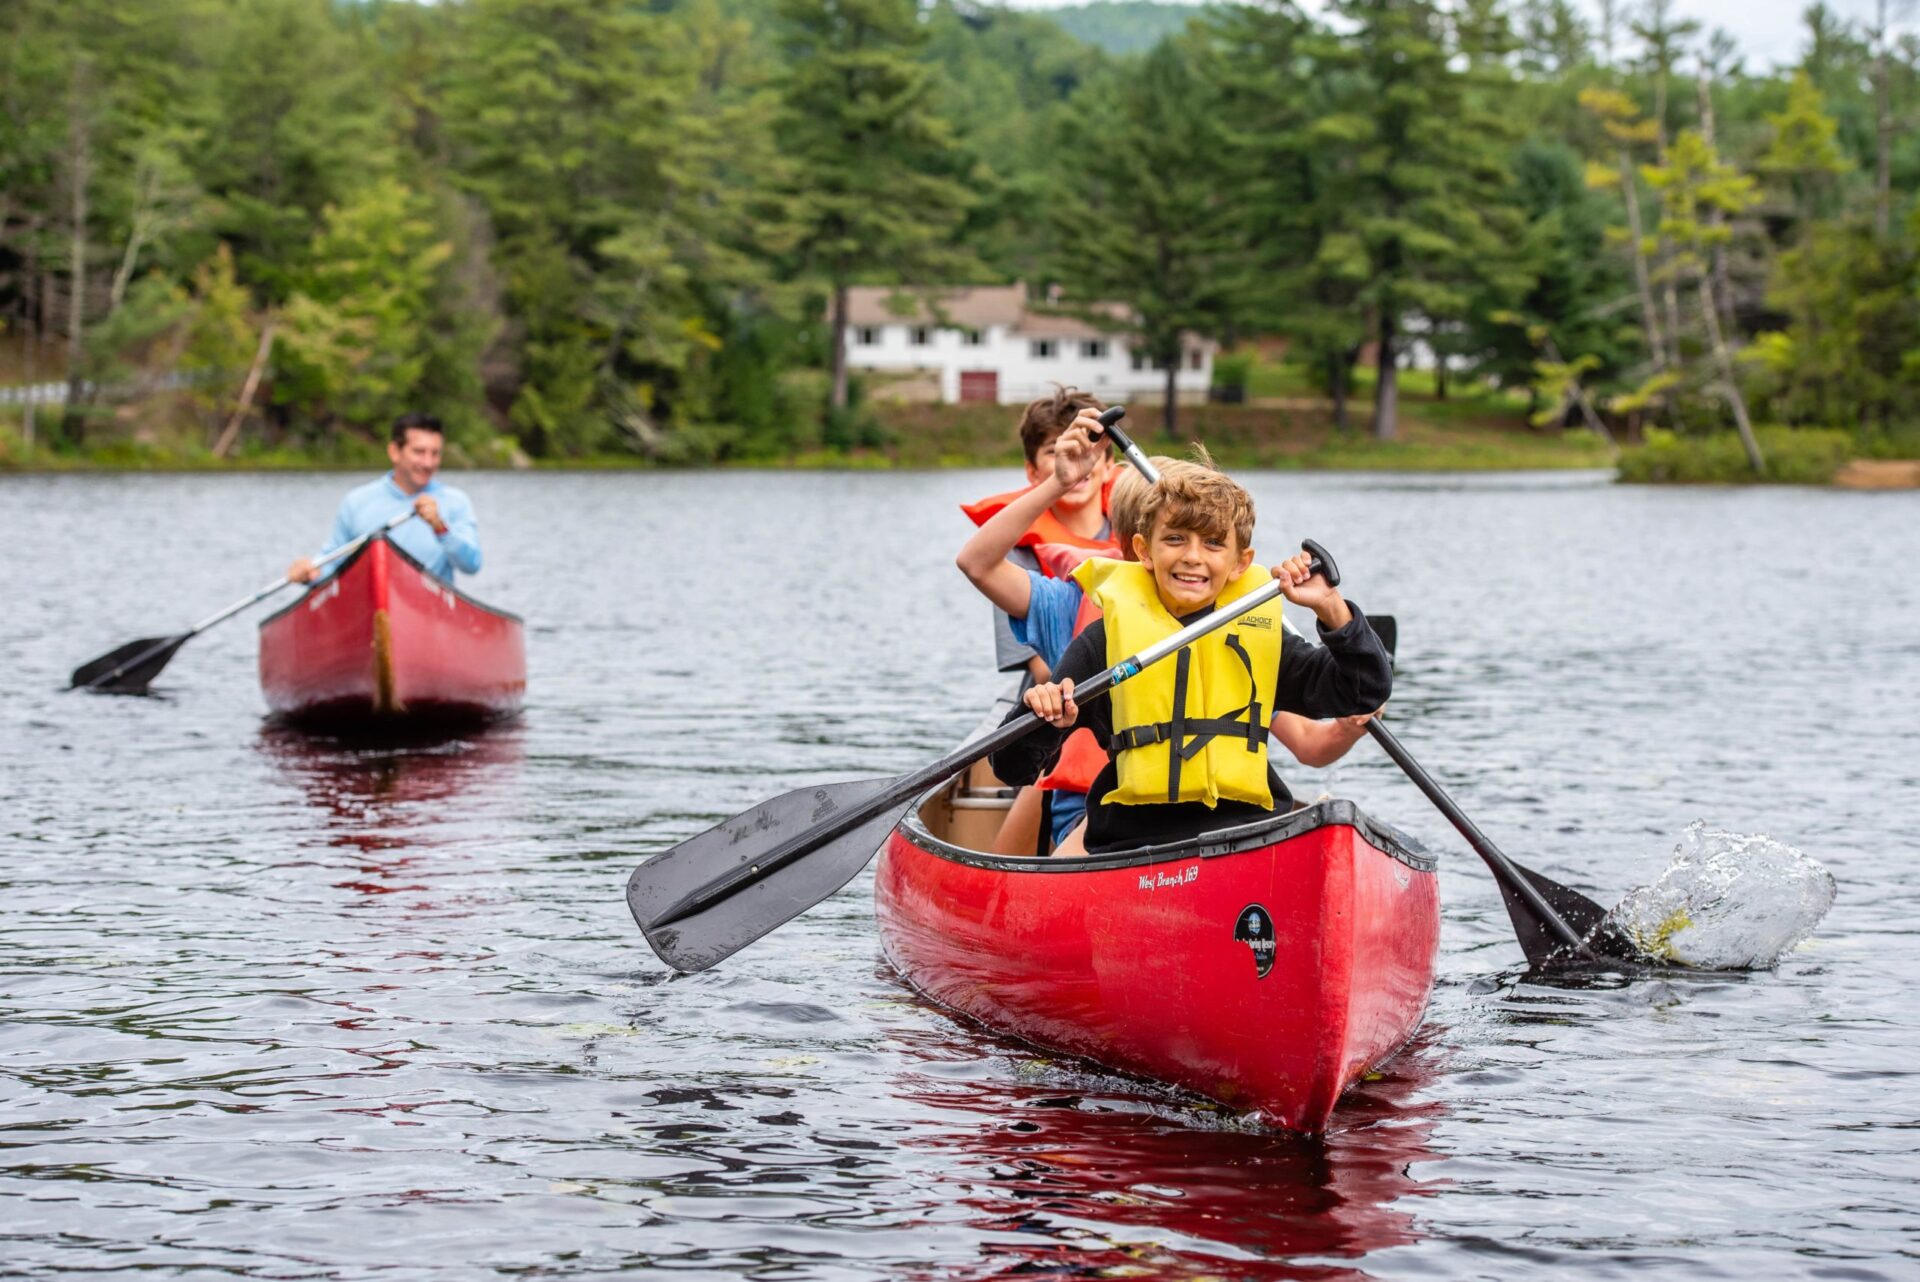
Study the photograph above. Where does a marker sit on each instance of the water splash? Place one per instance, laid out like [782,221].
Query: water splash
[1728,901]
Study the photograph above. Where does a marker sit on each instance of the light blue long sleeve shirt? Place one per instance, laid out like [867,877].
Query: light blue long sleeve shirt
[372,505]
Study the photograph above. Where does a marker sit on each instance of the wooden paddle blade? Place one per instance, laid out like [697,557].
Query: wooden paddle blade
[822,854]
[140,660]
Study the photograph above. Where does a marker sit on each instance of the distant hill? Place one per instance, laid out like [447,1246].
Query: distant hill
[1122,26]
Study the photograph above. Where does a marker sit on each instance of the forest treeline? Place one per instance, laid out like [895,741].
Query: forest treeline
[591,227]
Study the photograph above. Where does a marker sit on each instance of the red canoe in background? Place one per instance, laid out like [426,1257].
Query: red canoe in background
[1267,967]
[383,644]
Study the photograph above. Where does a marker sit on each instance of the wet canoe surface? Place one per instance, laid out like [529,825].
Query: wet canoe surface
[1268,969]
[382,644]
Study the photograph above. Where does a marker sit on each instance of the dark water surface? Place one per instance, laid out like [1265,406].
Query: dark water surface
[276,1008]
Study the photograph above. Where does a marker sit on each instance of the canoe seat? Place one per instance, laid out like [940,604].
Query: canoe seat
[970,811]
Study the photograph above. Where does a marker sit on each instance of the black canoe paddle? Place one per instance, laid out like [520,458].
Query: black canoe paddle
[131,668]
[1552,922]
[715,893]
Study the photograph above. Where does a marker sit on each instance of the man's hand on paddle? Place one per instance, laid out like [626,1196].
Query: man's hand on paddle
[429,512]
[1300,585]
[1052,702]
[302,571]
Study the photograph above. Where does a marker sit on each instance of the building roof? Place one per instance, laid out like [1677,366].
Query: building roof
[1054,323]
[961,307]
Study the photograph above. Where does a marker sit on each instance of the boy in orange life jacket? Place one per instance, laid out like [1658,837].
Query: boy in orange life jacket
[1076,517]
[1048,611]
[1189,734]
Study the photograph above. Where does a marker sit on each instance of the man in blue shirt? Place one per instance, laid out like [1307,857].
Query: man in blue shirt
[444,539]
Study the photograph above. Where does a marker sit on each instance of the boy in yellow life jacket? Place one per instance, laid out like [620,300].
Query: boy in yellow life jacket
[1189,735]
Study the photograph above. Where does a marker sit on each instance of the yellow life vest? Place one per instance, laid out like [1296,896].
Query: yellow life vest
[1211,701]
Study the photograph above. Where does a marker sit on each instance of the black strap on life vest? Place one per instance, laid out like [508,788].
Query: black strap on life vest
[1203,729]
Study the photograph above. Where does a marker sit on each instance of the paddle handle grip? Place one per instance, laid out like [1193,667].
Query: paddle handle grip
[1110,424]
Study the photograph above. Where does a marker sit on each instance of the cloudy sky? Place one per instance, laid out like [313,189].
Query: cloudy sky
[1768,30]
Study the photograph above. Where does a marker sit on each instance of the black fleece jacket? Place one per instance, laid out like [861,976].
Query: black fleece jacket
[1347,674]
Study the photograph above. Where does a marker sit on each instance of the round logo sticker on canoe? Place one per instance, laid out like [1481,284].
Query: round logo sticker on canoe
[1254,928]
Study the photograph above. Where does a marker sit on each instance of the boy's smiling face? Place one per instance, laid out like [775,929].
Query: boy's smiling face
[1190,569]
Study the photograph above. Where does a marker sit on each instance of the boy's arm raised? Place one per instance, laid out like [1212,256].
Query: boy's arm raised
[983,558]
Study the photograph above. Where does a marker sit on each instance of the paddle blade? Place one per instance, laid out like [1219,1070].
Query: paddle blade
[1588,920]
[822,853]
[130,669]
[1387,628]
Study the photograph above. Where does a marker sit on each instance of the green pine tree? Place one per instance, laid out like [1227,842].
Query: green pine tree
[1141,216]
[1426,188]
[875,187]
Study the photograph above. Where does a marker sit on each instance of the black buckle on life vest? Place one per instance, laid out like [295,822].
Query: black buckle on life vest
[1140,737]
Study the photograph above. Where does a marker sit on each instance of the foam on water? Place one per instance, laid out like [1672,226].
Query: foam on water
[1728,901]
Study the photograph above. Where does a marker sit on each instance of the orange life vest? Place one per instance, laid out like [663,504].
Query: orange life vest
[1046,528]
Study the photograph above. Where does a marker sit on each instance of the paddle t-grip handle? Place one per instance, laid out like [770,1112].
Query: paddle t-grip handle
[1110,426]
[1322,563]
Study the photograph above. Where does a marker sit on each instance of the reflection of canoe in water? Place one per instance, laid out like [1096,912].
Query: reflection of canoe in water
[1267,966]
[383,643]
[1071,1178]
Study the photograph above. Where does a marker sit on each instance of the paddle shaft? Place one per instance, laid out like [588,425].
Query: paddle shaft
[1504,868]
[912,785]
[238,606]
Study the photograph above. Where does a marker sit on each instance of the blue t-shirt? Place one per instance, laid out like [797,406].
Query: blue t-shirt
[1051,608]
[372,505]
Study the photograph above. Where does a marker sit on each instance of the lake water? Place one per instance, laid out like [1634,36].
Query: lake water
[275,1008]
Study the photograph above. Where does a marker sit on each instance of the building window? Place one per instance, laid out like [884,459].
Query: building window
[973,337]
[1044,349]
[921,335]
[867,336]
[1094,349]
[1196,359]
[1139,360]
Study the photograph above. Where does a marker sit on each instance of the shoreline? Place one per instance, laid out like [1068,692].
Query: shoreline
[1437,438]
[1383,464]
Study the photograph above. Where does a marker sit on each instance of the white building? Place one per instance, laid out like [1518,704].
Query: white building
[988,343]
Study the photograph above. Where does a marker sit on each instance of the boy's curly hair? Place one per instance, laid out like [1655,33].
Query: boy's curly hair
[1047,417]
[1129,492]
[1197,496]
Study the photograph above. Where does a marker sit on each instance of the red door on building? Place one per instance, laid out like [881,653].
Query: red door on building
[980,385]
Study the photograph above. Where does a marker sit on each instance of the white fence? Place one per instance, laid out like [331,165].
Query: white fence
[56,393]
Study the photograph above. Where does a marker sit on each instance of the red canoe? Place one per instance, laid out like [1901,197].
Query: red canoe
[384,644]
[1267,967]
